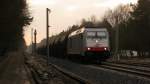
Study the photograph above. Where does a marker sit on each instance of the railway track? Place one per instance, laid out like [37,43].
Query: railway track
[39,77]
[72,75]
[135,64]
[135,70]
[31,74]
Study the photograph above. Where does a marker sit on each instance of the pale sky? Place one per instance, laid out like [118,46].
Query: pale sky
[65,13]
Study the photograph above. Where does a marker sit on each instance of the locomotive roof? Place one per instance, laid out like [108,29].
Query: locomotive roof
[77,32]
[95,29]
[86,29]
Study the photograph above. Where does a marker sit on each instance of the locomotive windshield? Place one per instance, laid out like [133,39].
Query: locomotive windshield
[101,34]
[91,34]
[98,34]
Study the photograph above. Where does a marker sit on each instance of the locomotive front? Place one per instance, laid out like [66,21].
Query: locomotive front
[97,43]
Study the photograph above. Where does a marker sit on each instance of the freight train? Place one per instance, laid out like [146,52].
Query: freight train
[84,43]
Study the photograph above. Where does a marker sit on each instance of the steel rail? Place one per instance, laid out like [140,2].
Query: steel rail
[138,71]
[72,75]
[132,67]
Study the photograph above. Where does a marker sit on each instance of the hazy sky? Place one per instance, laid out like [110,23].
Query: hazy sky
[65,13]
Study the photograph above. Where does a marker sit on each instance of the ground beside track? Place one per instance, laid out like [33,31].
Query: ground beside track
[23,68]
[48,74]
[12,70]
[98,75]
[132,61]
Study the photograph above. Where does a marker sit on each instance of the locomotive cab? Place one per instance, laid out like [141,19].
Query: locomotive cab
[96,43]
[91,43]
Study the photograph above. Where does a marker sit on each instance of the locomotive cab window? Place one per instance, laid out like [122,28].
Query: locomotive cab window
[91,34]
[101,34]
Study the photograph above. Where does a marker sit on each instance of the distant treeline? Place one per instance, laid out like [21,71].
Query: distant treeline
[133,25]
[14,16]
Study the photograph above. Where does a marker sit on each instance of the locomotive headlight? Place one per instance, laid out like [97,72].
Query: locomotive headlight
[89,48]
[96,41]
[105,48]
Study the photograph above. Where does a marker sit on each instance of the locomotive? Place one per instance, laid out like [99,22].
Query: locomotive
[84,43]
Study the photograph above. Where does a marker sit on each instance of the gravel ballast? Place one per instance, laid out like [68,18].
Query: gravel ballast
[98,75]
[47,74]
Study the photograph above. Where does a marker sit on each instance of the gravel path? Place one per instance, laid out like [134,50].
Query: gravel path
[99,75]
[12,70]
